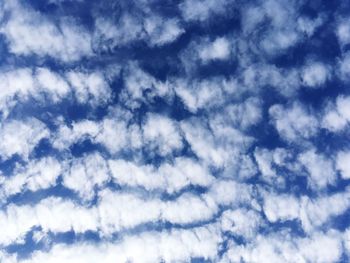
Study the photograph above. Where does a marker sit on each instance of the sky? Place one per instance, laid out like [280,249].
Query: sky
[145,131]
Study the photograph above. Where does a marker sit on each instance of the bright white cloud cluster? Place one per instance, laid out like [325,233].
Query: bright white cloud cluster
[42,85]
[337,118]
[28,33]
[315,74]
[174,131]
[294,123]
[21,137]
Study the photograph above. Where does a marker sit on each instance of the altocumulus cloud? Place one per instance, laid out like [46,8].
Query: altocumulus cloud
[174,131]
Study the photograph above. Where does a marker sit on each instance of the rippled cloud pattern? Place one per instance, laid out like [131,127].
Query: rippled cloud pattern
[150,131]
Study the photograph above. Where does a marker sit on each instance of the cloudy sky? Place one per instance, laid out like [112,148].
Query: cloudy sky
[150,131]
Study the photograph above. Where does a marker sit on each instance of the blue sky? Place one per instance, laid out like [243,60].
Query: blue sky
[174,131]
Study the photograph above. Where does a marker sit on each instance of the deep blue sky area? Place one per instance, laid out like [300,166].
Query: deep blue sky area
[174,131]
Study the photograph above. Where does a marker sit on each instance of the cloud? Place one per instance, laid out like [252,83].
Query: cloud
[86,174]
[343,31]
[293,123]
[315,74]
[203,10]
[29,32]
[162,134]
[342,161]
[140,131]
[162,31]
[312,213]
[141,87]
[285,247]
[281,207]
[52,84]
[265,160]
[66,136]
[344,67]
[155,30]
[320,169]
[18,83]
[91,87]
[169,177]
[43,86]
[114,134]
[219,49]
[36,175]
[241,222]
[337,117]
[21,137]
[117,211]
[176,245]
[308,26]
[255,77]
[200,95]
[246,114]
[204,51]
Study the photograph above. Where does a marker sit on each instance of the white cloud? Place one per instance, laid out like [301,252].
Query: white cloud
[343,31]
[85,174]
[229,192]
[309,26]
[277,41]
[113,135]
[137,83]
[337,116]
[21,137]
[283,33]
[266,160]
[333,121]
[153,29]
[36,175]
[89,87]
[203,10]
[156,188]
[115,132]
[344,67]
[347,241]
[52,84]
[4,257]
[117,211]
[314,248]
[108,34]
[241,222]
[13,83]
[294,123]
[41,84]
[202,143]
[284,247]
[66,136]
[315,74]
[313,213]
[168,177]
[281,207]
[162,31]
[257,76]
[342,162]
[29,32]
[162,134]
[252,16]
[205,50]
[320,169]
[200,95]
[148,247]
[245,114]
[219,49]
